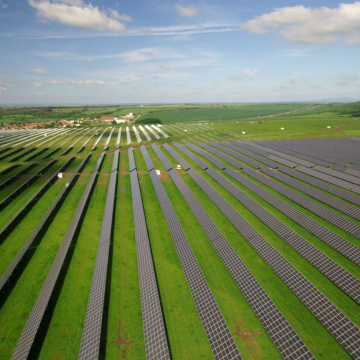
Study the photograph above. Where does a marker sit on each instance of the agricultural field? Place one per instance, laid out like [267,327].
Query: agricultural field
[248,223]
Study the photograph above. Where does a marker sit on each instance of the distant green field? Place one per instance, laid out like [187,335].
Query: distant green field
[234,112]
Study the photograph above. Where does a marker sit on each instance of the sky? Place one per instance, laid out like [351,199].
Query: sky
[164,51]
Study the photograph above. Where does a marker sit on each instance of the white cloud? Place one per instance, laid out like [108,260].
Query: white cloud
[350,77]
[70,2]
[2,88]
[164,66]
[47,82]
[234,77]
[309,26]
[40,94]
[250,72]
[90,59]
[115,15]
[87,83]
[36,70]
[292,81]
[82,16]
[22,82]
[146,54]
[186,11]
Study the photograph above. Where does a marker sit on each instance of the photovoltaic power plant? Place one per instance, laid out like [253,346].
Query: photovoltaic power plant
[221,342]
[90,341]
[33,323]
[204,244]
[156,345]
[290,346]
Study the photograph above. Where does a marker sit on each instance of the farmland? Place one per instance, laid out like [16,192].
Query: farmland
[121,332]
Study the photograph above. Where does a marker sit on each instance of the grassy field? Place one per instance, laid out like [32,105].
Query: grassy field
[122,328]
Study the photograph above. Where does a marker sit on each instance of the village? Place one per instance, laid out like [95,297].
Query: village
[126,119]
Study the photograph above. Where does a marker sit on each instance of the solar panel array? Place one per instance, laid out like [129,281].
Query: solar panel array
[321,211]
[338,275]
[16,158]
[132,165]
[109,139]
[207,156]
[24,185]
[10,153]
[330,179]
[338,174]
[90,341]
[28,334]
[156,345]
[222,156]
[46,218]
[343,194]
[148,138]
[98,140]
[236,155]
[251,155]
[317,194]
[184,164]
[156,136]
[193,157]
[343,330]
[13,178]
[8,169]
[345,248]
[15,219]
[221,342]
[281,154]
[283,335]
[160,131]
[163,159]
[287,147]
[118,140]
[137,134]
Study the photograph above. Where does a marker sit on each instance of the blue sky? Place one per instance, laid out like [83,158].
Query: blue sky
[158,51]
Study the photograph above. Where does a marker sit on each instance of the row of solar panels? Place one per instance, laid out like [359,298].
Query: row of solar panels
[284,337]
[221,342]
[335,322]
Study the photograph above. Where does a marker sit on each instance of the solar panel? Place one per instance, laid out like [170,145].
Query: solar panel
[321,211]
[207,156]
[40,226]
[90,340]
[316,194]
[156,346]
[160,131]
[13,178]
[338,174]
[28,334]
[221,342]
[342,329]
[148,138]
[156,136]
[147,159]
[128,137]
[137,134]
[132,165]
[345,248]
[264,308]
[192,156]
[25,185]
[118,140]
[184,164]
[339,276]
[163,159]
[235,154]
[222,156]
[10,153]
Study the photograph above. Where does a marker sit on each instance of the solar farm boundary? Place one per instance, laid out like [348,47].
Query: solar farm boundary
[91,335]
[24,185]
[289,346]
[26,340]
[41,226]
[155,334]
[15,220]
[332,217]
[338,325]
[329,200]
[333,240]
[344,280]
[221,342]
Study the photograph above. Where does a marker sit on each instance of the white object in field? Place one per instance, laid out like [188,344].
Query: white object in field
[328,127]
[185,130]
[45,134]
[60,175]
[178,167]
[243,132]
[158,172]
[282,128]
